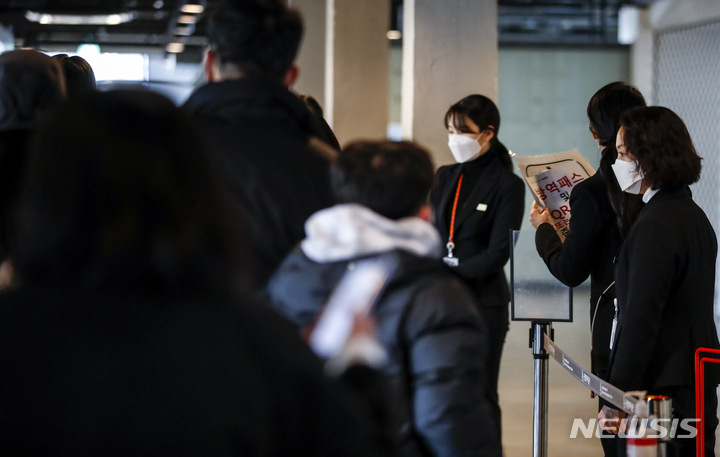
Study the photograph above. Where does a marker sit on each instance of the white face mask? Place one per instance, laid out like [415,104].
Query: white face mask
[463,147]
[629,176]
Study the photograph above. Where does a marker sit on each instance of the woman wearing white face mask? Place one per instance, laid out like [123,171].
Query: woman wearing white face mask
[476,203]
[665,273]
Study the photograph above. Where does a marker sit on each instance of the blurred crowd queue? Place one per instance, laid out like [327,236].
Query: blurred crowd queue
[164,267]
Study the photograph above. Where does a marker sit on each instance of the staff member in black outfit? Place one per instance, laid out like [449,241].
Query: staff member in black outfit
[476,203]
[665,275]
[594,239]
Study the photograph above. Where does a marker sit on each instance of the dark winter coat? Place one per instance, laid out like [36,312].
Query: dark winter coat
[97,374]
[262,139]
[482,234]
[665,282]
[429,325]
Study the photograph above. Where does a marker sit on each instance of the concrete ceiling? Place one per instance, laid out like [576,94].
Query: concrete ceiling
[155,23]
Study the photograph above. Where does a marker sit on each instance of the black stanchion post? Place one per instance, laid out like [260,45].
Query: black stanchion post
[540,391]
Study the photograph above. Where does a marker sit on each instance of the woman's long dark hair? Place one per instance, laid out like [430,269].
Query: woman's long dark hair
[604,111]
[483,112]
[119,195]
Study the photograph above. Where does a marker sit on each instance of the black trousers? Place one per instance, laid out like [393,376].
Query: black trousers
[496,321]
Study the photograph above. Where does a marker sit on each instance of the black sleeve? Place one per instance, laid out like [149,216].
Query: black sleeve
[570,262]
[509,215]
[447,361]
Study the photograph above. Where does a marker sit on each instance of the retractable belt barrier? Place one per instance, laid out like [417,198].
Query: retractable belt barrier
[622,400]
[635,404]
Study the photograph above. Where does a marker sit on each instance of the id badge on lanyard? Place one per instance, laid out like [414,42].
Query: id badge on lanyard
[451,260]
[614,325]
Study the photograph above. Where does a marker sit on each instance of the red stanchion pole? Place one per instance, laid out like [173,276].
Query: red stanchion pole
[700,395]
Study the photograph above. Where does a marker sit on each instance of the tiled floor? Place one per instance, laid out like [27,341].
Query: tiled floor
[568,398]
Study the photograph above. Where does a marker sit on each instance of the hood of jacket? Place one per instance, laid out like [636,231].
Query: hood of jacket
[349,231]
[237,99]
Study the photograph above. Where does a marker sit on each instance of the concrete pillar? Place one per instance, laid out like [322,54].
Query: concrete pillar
[357,68]
[344,64]
[641,58]
[450,50]
[311,58]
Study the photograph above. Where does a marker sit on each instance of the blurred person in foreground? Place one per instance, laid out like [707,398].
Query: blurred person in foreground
[79,75]
[427,320]
[665,272]
[125,334]
[262,137]
[30,83]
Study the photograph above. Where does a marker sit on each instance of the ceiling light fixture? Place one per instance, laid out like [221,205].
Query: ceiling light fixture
[192,9]
[394,34]
[184,31]
[80,19]
[187,20]
[175,47]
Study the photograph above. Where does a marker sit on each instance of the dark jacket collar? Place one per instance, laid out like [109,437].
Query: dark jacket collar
[666,193]
[251,98]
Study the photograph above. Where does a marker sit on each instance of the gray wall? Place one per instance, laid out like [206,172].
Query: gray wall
[542,97]
[543,94]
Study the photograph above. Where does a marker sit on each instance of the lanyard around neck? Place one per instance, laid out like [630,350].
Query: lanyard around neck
[451,243]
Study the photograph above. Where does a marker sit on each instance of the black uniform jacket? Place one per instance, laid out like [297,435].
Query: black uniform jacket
[665,280]
[589,250]
[91,373]
[436,343]
[495,206]
[259,135]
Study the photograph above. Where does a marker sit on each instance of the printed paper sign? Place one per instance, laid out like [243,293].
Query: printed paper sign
[551,179]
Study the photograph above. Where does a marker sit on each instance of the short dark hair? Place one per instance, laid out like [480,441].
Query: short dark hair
[485,114]
[259,37]
[391,178]
[79,75]
[661,144]
[119,195]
